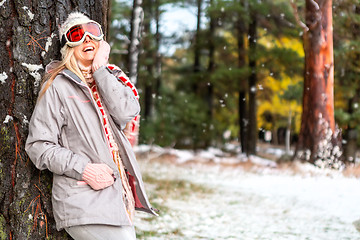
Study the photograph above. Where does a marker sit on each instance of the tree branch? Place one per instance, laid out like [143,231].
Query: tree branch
[297,17]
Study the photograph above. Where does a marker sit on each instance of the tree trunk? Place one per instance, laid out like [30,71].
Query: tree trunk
[158,54]
[318,134]
[288,135]
[242,109]
[209,92]
[197,49]
[29,41]
[211,65]
[135,39]
[252,128]
[148,56]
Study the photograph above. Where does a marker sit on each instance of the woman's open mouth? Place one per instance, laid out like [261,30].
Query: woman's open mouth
[87,49]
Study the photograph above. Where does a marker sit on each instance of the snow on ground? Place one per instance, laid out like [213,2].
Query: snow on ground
[261,202]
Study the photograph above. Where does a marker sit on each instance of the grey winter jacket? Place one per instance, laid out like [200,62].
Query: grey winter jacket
[66,133]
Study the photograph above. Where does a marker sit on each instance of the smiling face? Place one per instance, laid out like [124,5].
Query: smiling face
[85,52]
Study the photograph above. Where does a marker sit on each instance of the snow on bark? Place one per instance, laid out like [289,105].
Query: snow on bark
[8,119]
[29,13]
[33,71]
[328,153]
[3,77]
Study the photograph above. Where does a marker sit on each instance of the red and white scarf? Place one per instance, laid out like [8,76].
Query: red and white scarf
[127,193]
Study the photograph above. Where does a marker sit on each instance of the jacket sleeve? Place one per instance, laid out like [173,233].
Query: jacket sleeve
[118,97]
[43,142]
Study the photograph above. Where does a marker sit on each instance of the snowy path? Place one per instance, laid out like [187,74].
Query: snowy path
[268,205]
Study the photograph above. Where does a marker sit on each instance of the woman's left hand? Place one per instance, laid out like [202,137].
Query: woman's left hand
[102,56]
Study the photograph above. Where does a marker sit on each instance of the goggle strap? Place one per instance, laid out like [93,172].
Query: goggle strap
[63,41]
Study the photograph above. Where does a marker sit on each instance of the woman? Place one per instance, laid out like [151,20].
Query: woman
[76,133]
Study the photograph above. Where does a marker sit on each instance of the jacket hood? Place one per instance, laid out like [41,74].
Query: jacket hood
[53,64]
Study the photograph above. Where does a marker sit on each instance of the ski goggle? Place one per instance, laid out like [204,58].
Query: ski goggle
[77,34]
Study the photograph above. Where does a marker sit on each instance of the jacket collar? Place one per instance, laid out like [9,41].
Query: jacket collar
[71,75]
[66,72]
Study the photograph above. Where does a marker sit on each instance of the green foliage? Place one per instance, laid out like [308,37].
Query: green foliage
[180,121]
[119,31]
[293,92]
[347,63]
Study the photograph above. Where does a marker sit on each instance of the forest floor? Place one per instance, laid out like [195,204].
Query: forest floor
[214,195]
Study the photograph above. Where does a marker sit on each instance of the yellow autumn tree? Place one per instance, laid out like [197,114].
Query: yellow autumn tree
[279,96]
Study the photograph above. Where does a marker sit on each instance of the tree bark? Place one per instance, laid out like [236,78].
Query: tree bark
[242,109]
[29,41]
[288,134]
[252,127]
[158,54]
[148,56]
[197,48]
[135,39]
[211,65]
[318,134]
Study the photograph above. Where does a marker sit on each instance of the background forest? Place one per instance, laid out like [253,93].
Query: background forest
[196,81]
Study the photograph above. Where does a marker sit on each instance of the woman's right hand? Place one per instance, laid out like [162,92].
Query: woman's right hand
[98,176]
[102,56]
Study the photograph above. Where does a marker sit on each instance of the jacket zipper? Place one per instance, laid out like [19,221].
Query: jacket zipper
[102,126]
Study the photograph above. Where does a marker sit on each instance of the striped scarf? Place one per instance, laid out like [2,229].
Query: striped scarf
[127,193]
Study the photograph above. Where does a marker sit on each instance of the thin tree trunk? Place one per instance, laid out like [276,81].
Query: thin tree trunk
[318,123]
[252,129]
[288,135]
[211,65]
[197,49]
[158,54]
[148,55]
[135,39]
[29,41]
[242,109]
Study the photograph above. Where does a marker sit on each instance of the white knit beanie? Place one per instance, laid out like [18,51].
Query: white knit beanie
[73,19]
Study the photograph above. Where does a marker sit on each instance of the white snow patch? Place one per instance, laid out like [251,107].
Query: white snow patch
[49,41]
[209,155]
[262,161]
[31,15]
[3,77]
[8,118]
[249,206]
[25,120]
[33,71]
[183,155]
[2,2]
[276,151]
[142,148]
[48,44]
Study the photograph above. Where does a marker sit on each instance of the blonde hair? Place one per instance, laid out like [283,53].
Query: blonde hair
[68,62]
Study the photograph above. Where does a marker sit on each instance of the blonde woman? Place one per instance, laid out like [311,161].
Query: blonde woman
[76,132]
